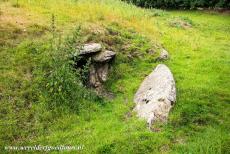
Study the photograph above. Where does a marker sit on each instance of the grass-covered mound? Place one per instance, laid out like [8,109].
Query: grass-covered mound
[43,100]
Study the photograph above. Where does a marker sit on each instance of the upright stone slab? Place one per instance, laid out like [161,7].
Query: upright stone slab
[98,74]
[156,95]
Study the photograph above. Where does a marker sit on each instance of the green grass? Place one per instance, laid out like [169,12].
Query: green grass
[42,101]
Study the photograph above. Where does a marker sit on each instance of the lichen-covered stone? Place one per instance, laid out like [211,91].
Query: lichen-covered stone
[156,95]
[98,74]
[164,55]
[104,56]
[90,48]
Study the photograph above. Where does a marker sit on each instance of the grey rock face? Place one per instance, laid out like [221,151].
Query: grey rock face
[90,48]
[164,55]
[156,95]
[98,74]
[104,56]
[102,72]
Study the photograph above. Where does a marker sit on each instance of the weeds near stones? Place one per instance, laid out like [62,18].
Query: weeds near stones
[63,85]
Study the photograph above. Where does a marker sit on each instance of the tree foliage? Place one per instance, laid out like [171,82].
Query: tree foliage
[181,3]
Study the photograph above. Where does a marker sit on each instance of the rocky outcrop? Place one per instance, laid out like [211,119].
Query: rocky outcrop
[100,63]
[156,95]
[164,55]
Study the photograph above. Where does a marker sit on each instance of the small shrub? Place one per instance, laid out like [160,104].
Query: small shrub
[63,84]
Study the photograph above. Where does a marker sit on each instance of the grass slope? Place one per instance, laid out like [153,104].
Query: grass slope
[200,61]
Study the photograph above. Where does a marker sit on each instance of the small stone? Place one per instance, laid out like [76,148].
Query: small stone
[164,55]
[90,48]
[104,56]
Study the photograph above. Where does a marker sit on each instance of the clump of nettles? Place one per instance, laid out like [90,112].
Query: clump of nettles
[63,86]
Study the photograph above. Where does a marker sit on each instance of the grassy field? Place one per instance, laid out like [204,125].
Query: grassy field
[42,102]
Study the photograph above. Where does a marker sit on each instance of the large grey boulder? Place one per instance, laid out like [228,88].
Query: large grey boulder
[156,95]
[104,56]
[90,48]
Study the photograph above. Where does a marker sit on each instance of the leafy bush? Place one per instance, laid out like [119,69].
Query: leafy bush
[180,3]
[62,84]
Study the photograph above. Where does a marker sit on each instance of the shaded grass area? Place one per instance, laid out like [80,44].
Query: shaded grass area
[33,71]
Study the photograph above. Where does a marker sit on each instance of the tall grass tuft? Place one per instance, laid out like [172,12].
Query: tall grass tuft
[53,27]
[62,84]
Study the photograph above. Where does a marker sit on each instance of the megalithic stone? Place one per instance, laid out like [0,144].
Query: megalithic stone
[156,95]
